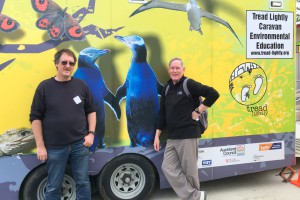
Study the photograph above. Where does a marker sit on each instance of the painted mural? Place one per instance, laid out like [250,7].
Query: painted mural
[123,51]
[244,49]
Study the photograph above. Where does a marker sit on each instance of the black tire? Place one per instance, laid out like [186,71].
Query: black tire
[128,176]
[35,185]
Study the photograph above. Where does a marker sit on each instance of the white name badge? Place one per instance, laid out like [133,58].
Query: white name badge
[77,99]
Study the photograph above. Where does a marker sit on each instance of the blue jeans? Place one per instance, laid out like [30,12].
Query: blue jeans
[56,166]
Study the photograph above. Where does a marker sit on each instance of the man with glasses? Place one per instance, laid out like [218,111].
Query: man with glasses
[63,121]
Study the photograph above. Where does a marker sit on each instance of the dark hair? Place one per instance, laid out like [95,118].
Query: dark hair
[176,59]
[58,54]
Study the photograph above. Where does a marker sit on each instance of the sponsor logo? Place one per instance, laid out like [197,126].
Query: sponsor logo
[231,160]
[228,151]
[270,146]
[256,158]
[206,162]
[240,150]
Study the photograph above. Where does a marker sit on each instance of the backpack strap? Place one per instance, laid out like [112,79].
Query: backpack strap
[187,92]
[167,89]
[186,89]
[203,118]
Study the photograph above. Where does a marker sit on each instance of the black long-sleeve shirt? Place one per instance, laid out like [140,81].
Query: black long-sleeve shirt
[63,108]
[176,108]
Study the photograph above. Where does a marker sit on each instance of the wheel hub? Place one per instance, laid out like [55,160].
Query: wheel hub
[126,178]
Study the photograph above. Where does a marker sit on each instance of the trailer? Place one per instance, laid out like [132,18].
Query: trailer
[244,49]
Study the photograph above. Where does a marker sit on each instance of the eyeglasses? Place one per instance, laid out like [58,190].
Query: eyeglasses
[66,62]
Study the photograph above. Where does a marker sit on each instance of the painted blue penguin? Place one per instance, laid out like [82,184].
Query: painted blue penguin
[89,71]
[141,90]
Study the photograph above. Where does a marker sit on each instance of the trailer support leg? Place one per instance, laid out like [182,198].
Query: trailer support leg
[287,171]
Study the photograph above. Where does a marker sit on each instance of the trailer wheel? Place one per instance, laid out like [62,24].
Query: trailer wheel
[35,185]
[127,177]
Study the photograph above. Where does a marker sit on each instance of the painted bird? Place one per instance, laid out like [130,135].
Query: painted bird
[141,90]
[90,72]
[194,12]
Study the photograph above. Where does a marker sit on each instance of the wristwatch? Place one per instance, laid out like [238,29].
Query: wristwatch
[92,132]
[197,110]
